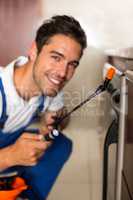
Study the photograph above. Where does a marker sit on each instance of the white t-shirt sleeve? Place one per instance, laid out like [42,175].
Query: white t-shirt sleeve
[57,102]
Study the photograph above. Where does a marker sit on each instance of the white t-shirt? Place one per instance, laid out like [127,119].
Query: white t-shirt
[18,110]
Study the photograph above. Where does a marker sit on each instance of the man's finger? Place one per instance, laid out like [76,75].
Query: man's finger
[31,136]
[41,145]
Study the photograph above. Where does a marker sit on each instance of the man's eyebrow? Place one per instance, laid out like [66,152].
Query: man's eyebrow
[58,53]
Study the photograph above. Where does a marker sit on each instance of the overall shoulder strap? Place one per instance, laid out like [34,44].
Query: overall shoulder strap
[3,116]
[41,105]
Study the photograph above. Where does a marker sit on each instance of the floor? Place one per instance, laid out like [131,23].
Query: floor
[81,178]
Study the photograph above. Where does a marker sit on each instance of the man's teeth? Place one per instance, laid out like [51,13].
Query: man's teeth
[54,81]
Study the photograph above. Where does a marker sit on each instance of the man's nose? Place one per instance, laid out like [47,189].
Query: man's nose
[63,70]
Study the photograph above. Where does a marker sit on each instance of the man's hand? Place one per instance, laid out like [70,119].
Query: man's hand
[48,119]
[28,149]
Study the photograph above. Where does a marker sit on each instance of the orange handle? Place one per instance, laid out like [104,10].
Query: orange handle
[110,73]
[18,186]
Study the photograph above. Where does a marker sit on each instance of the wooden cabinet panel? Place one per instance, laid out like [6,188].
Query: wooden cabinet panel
[18,22]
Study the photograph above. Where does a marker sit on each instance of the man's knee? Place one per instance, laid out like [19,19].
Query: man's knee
[65,147]
[60,150]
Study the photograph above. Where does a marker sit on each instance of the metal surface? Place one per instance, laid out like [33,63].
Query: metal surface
[120,147]
[129,75]
[122,64]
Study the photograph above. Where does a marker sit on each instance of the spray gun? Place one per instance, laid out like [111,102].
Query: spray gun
[101,88]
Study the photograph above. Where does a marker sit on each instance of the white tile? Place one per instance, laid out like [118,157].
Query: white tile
[75,191]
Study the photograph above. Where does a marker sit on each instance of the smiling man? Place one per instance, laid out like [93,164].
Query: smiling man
[55,65]
[29,86]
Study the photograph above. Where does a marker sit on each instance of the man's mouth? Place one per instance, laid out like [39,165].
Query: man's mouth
[54,81]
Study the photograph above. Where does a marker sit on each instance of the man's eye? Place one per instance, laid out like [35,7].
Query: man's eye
[74,65]
[56,58]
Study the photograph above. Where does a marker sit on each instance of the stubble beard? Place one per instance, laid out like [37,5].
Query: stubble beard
[47,91]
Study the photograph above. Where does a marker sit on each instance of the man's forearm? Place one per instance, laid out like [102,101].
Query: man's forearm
[5,158]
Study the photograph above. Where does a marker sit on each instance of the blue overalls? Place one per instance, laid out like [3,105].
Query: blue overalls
[42,176]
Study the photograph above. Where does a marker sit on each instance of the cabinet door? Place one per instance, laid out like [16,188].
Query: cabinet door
[18,22]
[125,194]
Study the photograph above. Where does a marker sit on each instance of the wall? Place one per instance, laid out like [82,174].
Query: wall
[108,24]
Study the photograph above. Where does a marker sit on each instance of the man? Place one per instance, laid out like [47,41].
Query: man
[27,88]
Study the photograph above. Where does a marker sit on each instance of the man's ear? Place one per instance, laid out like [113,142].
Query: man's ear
[32,53]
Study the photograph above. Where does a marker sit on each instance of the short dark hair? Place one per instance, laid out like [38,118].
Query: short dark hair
[60,24]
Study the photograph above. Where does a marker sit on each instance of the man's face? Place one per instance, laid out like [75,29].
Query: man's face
[56,64]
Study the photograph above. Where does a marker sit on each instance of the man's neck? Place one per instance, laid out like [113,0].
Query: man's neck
[24,83]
